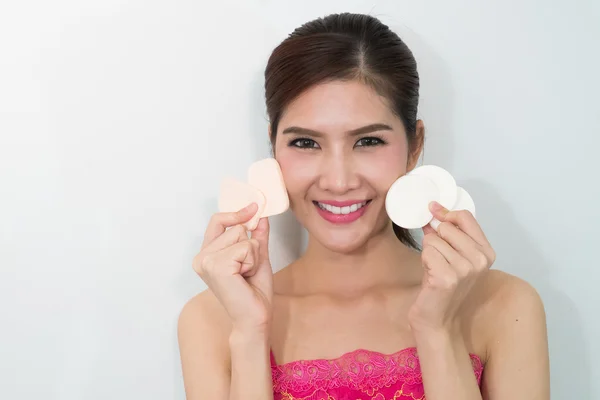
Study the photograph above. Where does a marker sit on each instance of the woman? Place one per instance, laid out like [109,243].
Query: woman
[363,313]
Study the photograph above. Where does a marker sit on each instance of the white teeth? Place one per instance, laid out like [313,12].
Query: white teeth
[342,210]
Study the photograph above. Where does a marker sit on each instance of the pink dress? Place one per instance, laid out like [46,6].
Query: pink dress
[358,375]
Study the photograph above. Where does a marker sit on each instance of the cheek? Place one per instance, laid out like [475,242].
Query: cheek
[384,166]
[298,169]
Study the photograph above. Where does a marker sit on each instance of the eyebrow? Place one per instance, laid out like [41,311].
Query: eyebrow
[354,132]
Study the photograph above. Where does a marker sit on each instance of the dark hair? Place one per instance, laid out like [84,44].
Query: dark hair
[345,47]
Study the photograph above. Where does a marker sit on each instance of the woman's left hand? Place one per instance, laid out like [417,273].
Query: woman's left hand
[454,260]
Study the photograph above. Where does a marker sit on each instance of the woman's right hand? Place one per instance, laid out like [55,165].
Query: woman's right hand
[237,268]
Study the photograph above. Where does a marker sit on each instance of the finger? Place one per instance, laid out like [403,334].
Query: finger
[261,235]
[464,219]
[234,259]
[235,234]
[438,210]
[432,257]
[451,256]
[427,229]
[461,243]
[219,222]
[468,224]
[438,270]
[262,276]
[249,269]
[455,259]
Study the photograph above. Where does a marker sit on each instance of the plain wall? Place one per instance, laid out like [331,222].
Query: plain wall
[114,119]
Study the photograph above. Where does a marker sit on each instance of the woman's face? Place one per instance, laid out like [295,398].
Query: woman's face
[340,148]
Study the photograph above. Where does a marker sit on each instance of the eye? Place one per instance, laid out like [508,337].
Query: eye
[369,142]
[304,143]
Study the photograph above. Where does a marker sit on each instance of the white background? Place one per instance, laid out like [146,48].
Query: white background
[114,118]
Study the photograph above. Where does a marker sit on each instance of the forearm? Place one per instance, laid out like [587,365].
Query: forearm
[250,367]
[446,367]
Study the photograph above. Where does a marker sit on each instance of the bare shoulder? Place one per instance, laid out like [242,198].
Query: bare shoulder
[509,315]
[203,315]
[505,295]
[203,331]
[512,321]
[206,304]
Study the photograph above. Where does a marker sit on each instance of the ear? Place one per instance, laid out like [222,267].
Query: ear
[417,146]
[271,142]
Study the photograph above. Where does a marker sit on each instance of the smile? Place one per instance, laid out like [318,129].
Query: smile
[341,212]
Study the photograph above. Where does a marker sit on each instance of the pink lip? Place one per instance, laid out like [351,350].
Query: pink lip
[341,218]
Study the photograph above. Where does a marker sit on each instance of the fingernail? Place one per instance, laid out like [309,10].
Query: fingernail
[434,206]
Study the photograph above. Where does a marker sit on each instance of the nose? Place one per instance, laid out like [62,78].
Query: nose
[338,173]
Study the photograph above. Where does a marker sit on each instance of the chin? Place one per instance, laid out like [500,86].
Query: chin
[343,243]
[348,239]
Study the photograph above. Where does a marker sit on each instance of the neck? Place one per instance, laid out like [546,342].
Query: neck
[382,261]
